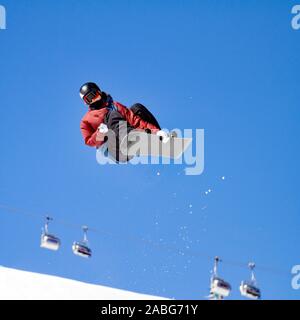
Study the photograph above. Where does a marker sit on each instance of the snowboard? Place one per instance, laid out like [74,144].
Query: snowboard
[140,143]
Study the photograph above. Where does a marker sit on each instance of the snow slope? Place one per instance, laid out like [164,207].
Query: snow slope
[23,285]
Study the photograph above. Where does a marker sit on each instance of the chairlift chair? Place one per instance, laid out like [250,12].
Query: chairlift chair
[219,288]
[49,241]
[249,289]
[81,248]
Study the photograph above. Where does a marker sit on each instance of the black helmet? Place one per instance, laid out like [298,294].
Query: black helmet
[89,91]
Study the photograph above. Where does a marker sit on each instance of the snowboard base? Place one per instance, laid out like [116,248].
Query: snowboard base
[140,143]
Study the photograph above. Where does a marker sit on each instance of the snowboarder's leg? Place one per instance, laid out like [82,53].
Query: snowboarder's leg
[119,129]
[145,114]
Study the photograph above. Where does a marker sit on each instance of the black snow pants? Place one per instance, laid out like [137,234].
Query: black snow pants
[120,128]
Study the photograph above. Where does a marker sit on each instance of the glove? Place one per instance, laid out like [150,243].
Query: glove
[163,135]
[101,134]
[103,128]
[173,134]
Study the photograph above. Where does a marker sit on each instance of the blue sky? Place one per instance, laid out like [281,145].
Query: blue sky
[229,67]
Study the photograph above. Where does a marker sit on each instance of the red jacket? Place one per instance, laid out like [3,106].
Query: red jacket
[93,118]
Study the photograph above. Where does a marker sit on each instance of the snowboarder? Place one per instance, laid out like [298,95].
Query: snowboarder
[105,114]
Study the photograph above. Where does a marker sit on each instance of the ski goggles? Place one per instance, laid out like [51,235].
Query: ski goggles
[91,97]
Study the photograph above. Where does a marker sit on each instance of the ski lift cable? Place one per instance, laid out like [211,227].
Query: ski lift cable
[159,245]
[169,247]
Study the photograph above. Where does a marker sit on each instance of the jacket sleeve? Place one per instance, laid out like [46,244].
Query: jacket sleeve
[89,135]
[134,120]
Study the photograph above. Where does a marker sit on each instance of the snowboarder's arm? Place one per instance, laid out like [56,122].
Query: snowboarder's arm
[89,135]
[134,120]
